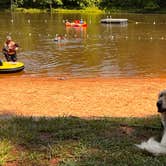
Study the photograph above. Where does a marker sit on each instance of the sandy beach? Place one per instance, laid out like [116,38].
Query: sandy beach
[96,97]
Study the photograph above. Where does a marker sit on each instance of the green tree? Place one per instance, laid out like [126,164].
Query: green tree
[5,4]
[50,3]
[80,3]
[151,5]
[122,4]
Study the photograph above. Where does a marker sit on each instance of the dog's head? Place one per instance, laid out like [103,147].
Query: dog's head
[161,103]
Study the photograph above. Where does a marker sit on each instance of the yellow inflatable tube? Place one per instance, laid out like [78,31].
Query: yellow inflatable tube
[10,67]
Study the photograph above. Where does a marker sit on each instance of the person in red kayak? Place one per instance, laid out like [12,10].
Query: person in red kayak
[76,21]
[9,49]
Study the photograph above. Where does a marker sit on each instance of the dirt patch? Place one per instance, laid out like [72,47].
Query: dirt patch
[119,97]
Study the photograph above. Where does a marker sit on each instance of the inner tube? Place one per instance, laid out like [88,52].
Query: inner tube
[11,67]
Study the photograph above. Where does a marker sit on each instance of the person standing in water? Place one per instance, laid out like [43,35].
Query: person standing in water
[9,49]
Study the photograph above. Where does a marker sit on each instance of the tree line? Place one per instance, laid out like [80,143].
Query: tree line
[81,4]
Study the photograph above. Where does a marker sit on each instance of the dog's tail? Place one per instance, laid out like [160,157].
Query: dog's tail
[154,147]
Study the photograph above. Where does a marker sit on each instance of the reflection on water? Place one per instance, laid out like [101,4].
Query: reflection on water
[104,50]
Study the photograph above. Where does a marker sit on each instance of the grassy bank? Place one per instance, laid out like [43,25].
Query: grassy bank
[134,10]
[73,141]
[91,10]
[59,10]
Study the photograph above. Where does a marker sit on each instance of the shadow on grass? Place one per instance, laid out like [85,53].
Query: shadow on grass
[76,141]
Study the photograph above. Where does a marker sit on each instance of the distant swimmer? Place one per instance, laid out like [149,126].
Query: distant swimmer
[59,38]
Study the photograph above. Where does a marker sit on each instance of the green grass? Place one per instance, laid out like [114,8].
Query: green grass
[91,10]
[30,10]
[71,141]
[134,10]
[5,149]
[59,10]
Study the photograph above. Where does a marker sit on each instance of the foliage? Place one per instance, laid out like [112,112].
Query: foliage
[46,3]
[151,5]
[144,5]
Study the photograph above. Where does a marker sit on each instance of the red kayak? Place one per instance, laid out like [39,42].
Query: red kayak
[75,24]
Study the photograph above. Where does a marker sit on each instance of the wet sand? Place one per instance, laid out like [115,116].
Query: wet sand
[51,97]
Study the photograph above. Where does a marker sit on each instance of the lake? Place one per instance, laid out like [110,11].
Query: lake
[136,49]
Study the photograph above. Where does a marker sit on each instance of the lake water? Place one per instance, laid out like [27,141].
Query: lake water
[100,50]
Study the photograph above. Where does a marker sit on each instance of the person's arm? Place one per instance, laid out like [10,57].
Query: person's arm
[16,46]
[5,47]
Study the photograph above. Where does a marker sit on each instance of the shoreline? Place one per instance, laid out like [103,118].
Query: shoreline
[92,10]
[86,98]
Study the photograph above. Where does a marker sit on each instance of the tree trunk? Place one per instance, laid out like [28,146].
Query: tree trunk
[51,7]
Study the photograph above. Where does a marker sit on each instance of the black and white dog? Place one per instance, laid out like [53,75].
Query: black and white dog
[152,146]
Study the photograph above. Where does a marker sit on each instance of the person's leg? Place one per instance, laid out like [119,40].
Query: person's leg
[1,63]
[14,57]
[7,56]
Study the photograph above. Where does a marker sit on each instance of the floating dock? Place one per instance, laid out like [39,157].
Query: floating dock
[114,21]
[115,25]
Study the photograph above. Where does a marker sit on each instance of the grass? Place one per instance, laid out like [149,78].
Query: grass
[71,141]
[91,10]
[59,10]
[134,10]
[30,10]
[5,149]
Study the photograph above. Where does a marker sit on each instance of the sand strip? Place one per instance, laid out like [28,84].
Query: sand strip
[118,97]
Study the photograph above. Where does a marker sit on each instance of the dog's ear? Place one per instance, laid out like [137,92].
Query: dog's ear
[160,94]
[163,92]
